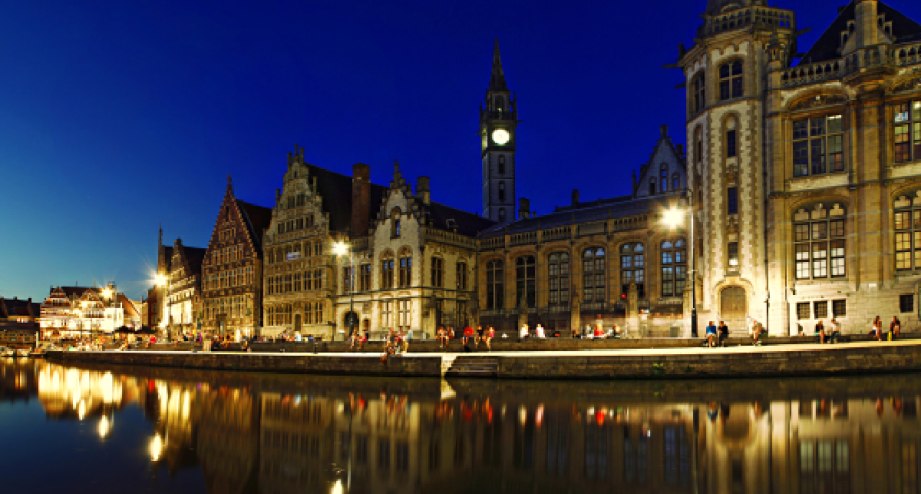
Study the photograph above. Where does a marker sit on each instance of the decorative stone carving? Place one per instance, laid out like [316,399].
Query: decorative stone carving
[819,100]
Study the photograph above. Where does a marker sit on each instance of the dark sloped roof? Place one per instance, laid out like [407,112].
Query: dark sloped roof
[466,223]
[194,256]
[257,220]
[601,210]
[336,191]
[75,291]
[828,45]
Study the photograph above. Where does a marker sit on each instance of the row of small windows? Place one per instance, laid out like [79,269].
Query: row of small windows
[294,282]
[405,271]
[663,185]
[594,281]
[296,201]
[295,224]
[293,252]
[276,315]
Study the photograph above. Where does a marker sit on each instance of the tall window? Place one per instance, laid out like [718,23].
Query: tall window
[461,276]
[733,255]
[395,226]
[558,266]
[732,200]
[495,287]
[818,145]
[663,177]
[403,313]
[500,167]
[674,267]
[526,281]
[632,267]
[364,277]
[387,274]
[908,236]
[501,191]
[731,145]
[907,132]
[698,93]
[406,271]
[731,80]
[347,277]
[438,272]
[386,315]
[819,247]
[593,275]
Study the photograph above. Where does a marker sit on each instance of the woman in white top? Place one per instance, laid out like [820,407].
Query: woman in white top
[540,331]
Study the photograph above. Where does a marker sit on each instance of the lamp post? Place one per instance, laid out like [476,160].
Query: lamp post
[162,281]
[340,249]
[674,217]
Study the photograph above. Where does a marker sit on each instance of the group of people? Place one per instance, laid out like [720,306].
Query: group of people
[830,335]
[444,335]
[895,329]
[716,335]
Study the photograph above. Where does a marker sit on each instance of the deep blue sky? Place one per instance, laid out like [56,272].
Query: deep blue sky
[116,117]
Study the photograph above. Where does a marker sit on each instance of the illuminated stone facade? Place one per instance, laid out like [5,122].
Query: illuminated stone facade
[232,268]
[184,295]
[75,311]
[825,152]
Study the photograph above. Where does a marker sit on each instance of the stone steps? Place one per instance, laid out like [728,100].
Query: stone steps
[463,366]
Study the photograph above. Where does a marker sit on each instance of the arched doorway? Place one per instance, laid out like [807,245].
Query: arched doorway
[734,309]
[350,322]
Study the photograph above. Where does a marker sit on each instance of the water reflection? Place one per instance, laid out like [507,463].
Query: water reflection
[279,434]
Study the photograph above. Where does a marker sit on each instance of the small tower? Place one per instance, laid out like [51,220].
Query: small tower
[498,120]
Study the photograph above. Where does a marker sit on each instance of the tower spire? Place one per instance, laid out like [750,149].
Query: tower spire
[497,79]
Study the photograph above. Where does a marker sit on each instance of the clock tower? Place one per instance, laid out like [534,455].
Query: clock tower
[498,119]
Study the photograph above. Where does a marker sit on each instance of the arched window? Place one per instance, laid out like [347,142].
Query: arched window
[593,275]
[558,270]
[387,265]
[819,242]
[663,178]
[731,80]
[526,281]
[500,166]
[674,267]
[501,191]
[698,93]
[632,268]
[676,182]
[495,286]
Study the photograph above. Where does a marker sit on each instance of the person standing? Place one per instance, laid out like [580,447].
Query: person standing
[757,329]
[835,331]
[479,335]
[820,331]
[895,328]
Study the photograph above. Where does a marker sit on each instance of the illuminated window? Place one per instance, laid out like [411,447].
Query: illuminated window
[593,271]
[526,280]
[461,276]
[907,132]
[818,145]
[558,270]
[731,80]
[406,271]
[819,248]
[632,267]
[495,285]
[438,272]
[674,267]
[387,273]
[733,256]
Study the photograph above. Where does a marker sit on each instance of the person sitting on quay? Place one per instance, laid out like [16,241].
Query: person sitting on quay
[442,337]
[711,334]
[598,333]
[479,335]
[403,338]
[490,334]
[524,332]
[539,331]
[723,333]
[820,331]
[895,328]
[468,336]
[876,329]
[757,329]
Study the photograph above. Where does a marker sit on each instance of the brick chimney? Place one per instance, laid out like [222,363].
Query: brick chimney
[524,208]
[361,199]
[423,190]
[866,19]
[575,197]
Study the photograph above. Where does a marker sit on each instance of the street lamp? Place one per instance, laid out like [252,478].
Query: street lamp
[674,217]
[340,249]
[161,280]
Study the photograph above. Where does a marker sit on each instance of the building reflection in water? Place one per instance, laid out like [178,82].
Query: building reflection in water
[329,436]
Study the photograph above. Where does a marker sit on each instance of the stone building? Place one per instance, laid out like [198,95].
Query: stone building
[415,269]
[608,260]
[232,268]
[313,209]
[498,122]
[78,311]
[183,290]
[827,154]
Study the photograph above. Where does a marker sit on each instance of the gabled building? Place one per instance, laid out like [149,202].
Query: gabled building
[14,310]
[232,268]
[84,312]
[314,208]
[183,290]
[414,270]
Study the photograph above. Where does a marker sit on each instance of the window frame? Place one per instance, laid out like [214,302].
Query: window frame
[673,266]
[812,153]
[633,267]
[820,248]
[526,279]
[495,284]
[559,272]
[912,135]
[732,80]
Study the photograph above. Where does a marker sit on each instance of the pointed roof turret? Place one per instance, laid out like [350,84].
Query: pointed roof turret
[497,79]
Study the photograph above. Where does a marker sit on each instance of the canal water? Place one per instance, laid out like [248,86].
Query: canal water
[83,429]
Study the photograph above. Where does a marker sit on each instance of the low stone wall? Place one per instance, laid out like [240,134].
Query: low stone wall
[778,361]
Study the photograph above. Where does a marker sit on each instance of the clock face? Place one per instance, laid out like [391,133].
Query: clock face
[500,136]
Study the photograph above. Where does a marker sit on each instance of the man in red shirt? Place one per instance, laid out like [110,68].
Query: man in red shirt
[468,334]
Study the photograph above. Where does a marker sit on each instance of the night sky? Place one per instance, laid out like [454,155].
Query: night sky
[117,117]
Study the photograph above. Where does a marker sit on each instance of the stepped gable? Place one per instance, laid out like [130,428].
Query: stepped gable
[828,46]
[257,220]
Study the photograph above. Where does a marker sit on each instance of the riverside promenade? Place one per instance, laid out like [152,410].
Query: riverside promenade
[780,360]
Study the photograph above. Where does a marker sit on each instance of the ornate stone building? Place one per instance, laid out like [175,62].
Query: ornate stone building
[313,209]
[232,268]
[415,270]
[498,121]
[78,311]
[826,152]
[184,294]
[607,260]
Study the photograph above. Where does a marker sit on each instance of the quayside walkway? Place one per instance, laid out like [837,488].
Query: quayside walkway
[804,359]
